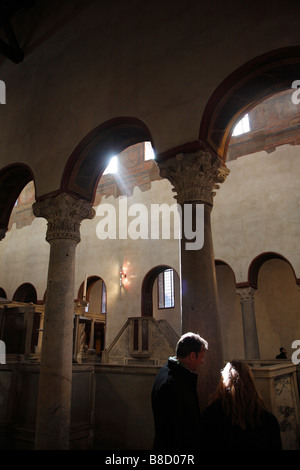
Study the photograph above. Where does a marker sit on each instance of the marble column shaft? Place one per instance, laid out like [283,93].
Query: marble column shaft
[249,323]
[64,215]
[195,177]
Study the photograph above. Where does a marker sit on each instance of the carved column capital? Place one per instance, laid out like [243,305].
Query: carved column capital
[194,176]
[64,215]
[246,294]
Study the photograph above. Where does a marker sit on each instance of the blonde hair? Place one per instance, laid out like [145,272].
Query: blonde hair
[239,396]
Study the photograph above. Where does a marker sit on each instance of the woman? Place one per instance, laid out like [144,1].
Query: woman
[237,417]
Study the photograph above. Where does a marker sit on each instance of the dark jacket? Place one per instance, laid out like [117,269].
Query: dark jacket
[221,434]
[176,409]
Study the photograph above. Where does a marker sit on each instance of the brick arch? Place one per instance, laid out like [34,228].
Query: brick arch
[257,263]
[91,156]
[252,83]
[13,179]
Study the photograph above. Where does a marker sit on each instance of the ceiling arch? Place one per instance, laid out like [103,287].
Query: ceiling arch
[255,81]
[91,156]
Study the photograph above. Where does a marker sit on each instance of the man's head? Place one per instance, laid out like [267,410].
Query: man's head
[190,350]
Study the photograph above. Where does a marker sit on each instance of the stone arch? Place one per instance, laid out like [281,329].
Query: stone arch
[95,336]
[25,293]
[91,280]
[242,90]
[219,262]
[13,179]
[259,261]
[147,288]
[276,303]
[91,156]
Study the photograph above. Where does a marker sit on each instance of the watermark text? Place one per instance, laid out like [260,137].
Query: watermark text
[2,92]
[296,93]
[296,354]
[2,352]
[159,221]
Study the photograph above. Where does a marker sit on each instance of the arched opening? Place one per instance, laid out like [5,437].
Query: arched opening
[161,296]
[86,176]
[25,293]
[252,83]
[94,295]
[147,289]
[13,179]
[277,304]
[92,155]
[230,311]
[257,263]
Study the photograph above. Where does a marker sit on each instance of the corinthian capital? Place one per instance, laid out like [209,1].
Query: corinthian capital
[246,294]
[194,176]
[64,215]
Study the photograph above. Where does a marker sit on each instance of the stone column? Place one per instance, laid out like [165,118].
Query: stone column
[195,176]
[249,323]
[91,345]
[64,215]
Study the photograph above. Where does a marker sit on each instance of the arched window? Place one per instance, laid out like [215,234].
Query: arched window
[242,126]
[165,280]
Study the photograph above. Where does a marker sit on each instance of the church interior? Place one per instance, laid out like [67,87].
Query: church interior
[116,119]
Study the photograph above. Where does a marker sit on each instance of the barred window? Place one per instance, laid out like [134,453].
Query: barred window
[166,297]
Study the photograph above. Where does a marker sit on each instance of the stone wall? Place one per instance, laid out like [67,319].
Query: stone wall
[111,404]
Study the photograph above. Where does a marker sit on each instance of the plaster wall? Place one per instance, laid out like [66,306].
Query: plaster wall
[104,258]
[277,306]
[256,210]
[88,62]
[24,255]
[230,315]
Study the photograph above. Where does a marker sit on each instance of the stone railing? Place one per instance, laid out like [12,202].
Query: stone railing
[277,383]
[142,339]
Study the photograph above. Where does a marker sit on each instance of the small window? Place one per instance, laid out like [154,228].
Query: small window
[242,126]
[149,152]
[165,282]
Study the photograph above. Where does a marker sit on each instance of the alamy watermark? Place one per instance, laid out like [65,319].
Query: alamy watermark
[159,221]
[2,352]
[296,93]
[2,92]
[295,356]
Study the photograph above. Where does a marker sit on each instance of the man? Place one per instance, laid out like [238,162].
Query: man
[174,397]
[282,354]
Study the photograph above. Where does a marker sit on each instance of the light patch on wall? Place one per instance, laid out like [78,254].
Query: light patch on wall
[112,167]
